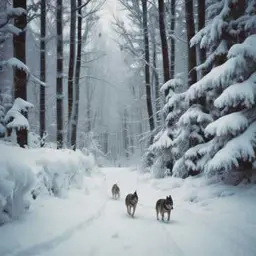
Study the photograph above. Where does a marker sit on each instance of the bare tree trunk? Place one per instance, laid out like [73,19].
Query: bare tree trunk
[147,71]
[59,80]
[77,76]
[173,23]
[42,69]
[192,77]
[155,76]
[164,43]
[20,77]
[201,24]
[71,64]
[125,132]
[157,85]
[88,109]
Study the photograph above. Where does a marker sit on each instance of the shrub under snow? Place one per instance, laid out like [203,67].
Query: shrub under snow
[37,171]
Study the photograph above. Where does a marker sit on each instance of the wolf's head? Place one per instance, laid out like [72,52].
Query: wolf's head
[169,202]
[135,197]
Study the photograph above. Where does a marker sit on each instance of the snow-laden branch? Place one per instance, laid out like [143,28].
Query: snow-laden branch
[243,93]
[240,148]
[233,124]
[15,118]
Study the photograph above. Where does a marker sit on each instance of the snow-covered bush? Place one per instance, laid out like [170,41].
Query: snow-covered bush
[41,171]
[60,170]
[16,180]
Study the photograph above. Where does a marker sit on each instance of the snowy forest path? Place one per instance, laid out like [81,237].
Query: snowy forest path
[104,228]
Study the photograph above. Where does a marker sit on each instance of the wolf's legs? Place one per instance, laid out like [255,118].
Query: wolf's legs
[169,213]
[157,215]
[162,216]
[134,207]
[129,209]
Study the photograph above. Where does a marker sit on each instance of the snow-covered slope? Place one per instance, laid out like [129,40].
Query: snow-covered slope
[208,219]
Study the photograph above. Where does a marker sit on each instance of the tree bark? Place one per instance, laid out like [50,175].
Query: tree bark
[42,69]
[125,132]
[59,80]
[173,24]
[155,76]
[166,66]
[77,76]
[201,25]
[190,25]
[20,77]
[71,64]
[157,85]
[147,71]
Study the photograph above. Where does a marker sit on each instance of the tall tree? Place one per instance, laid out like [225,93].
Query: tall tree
[164,43]
[173,23]
[59,80]
[71,63]
[190,25]
[77,75]
[153,30]
[20,76]
[147,71]
[42,68]
[201,24]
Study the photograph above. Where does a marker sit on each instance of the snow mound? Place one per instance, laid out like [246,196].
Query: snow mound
[37,171]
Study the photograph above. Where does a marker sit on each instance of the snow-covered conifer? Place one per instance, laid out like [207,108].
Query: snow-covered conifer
[232,87]
[163,141]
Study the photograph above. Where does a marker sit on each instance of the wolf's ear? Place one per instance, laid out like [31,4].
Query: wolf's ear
[167,198]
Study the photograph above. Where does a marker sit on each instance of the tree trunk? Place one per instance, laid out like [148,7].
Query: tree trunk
[59,80]
[88,110]
[157,85]
[77,76]
[190,25]
[173,23]
[164,43]
[147,71]
[42,69]
[155,76]
[125,133]
[71,64]
[20,77]
[201,24]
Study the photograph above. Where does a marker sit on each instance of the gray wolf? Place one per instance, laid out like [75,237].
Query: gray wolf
[115,191]
[164,206]
[131,201]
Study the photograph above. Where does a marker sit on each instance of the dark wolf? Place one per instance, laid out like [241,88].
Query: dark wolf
[164,206]
[131,201]
[115,191]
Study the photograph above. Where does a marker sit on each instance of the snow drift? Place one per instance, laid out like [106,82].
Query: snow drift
[37,171]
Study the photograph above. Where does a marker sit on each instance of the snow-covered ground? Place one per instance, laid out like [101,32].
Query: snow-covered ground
[208,219]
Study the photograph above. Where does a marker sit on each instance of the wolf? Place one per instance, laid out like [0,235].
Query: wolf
[163,206]
[115,191]
[131,201]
